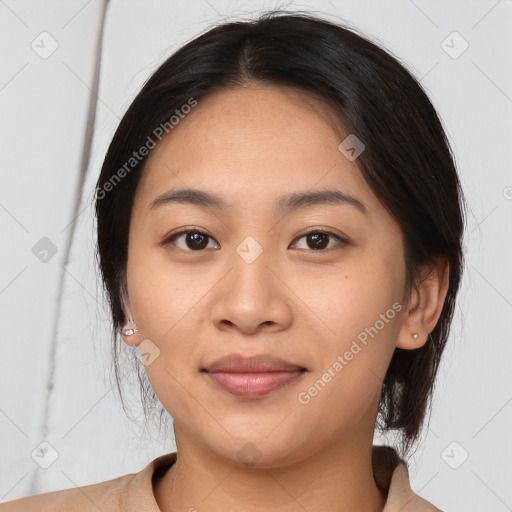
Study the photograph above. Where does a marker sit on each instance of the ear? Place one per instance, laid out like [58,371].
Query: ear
[425,306]
[133,339]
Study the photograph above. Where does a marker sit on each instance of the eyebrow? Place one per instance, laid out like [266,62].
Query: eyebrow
[284,203]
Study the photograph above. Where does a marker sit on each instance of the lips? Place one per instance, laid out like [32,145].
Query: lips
[240,364]
[252,377]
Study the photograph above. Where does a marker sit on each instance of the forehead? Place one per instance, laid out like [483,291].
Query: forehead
[254,143]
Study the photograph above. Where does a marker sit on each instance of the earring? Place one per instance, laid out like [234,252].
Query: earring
[129,331]
[415,336]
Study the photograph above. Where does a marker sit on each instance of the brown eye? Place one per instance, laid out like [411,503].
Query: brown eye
[319,240]
[194,240]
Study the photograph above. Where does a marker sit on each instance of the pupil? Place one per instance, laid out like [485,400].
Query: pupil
[195,237]
[318,237]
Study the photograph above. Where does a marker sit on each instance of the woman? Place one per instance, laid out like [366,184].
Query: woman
[279,234]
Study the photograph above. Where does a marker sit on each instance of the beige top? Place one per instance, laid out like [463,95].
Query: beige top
[134,492]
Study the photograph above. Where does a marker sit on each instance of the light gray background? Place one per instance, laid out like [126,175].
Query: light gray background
[55,125]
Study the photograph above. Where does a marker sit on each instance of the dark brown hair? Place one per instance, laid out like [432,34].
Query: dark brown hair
[407,162]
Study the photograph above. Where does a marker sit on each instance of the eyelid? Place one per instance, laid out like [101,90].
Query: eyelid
[191,229]
[342,241]
[184,231]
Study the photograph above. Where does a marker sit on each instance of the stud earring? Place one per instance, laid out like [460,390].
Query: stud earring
[415,336]
[129,331]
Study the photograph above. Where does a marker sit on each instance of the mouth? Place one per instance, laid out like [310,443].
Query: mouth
[252,377]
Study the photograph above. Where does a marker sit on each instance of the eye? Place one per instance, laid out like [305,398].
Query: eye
[195,240]
[318,240]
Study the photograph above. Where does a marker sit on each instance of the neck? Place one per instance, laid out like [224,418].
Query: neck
[339,478]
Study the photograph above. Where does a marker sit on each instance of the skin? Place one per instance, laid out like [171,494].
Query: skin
[250,145]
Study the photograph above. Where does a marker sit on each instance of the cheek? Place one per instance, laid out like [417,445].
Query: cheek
[162,294]
[165,309]
[346,302]
[360,313]
[168,296]
[164,300]
[346,387]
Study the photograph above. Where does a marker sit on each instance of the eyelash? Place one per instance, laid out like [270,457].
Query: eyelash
[341,240]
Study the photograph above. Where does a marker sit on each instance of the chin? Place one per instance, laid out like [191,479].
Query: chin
[260,450]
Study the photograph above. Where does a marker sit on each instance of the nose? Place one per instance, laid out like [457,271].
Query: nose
[253,296]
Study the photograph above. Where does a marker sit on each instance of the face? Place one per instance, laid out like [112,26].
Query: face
[317,284]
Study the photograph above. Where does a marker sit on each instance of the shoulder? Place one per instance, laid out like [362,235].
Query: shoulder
[392,478]
[129,492]
[106,496]
[402,497]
